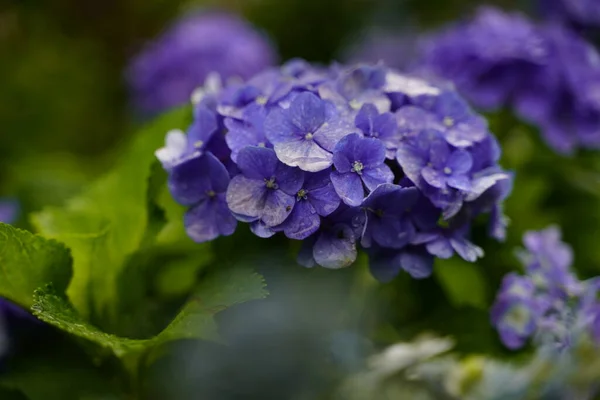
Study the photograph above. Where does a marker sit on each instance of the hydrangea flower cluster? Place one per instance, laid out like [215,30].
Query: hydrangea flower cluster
[340,157]
[168,70]
[548,74]
[549,303]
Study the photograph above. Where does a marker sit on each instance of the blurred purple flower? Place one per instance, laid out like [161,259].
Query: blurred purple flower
[549,303]
[9,210]
[579,14]
[547,73]
[168,70]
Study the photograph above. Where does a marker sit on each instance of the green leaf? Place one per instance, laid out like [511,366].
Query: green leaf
[28,261]
[463,282]
[110,221]
[216,293]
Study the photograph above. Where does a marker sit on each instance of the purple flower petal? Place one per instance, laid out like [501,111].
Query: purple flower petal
[460,162]
[434,177]
[336,248]
[374,177]
[257,162]
[290,180]
[278,206]
[305,154]
[202,129]
[307,112]
[247,196]
[209,219]
[440,247]
[418,264]
[261,230]
[303,221]
[193,179]
[460,182]
[467,250]
[321,193]
[349,187]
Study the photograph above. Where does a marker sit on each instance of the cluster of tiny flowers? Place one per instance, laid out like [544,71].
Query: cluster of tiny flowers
[547,73]
[166,72]
[549,303]
[338,158]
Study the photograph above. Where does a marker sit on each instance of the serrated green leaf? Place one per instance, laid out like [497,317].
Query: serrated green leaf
[28,261]
[463,282]
[110,221]
[216,293]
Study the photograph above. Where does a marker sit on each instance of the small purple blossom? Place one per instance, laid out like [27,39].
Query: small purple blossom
[266,189]
[359,168]
[341,159]
[248,131]
[168,70]
[549,304]
[305,134]
[209,216]
[379,126]
[317,198]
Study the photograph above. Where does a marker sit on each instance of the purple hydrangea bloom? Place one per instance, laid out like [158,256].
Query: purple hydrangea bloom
[9,210]
[340,158]
[548,74]
[359,168]
[549,304]
[168,70]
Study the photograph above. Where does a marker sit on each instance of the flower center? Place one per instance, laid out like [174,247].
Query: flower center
[448,121]
[262,144]
[271,184]
[355,104]
[308,136]
[198,144]
[447,170]
[261,100]
[211,193]
[357,167]
[302,194]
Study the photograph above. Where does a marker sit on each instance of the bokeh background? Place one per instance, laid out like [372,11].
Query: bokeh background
[65,113]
